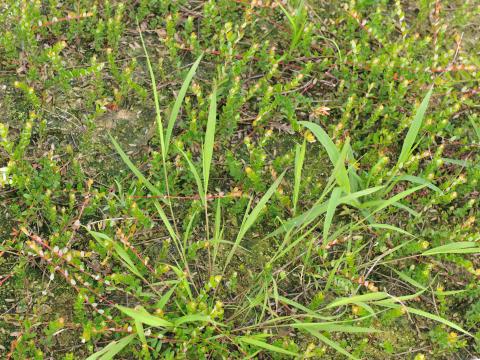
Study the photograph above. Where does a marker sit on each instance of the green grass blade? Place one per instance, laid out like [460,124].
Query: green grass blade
[218,232]
[476,127]
[334,327]
[399,299]
[408,279]
[324,139]
[112,349]
[195,174]
[263,345]
[347,199]
[166,222]
[333,202]
[357,299]
[438,319]
[155,97]
[291,20]
[414,128]
[300,220]
[194,318]
[119,251]
[390,227]
[306,310]
[209,140]
[340,171]
[406,208]
[299,159]
[333,344]
[178,103]
[386,203]
[126,259]
[144,317]
[419,181]
[333,272]
[430,316]
[164,299]
[134,169]
[252,217]
[320,208]
[141,334]
[463,247]
[171,232]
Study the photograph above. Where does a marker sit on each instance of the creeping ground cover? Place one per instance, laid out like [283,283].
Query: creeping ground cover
[233,179]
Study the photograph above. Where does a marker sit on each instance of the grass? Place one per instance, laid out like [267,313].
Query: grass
[310,190]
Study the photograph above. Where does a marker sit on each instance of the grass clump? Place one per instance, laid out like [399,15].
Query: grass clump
[238,179]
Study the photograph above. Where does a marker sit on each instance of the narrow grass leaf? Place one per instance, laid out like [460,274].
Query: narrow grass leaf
[431,317]
[464,247]
[209,140]
[414,128]
[476,127]
[195,174]
[400,299]
[406,208]
[300,220]
[155,97]
[193,318]
[324,139]
[165,297]
[141,333]
[134,169]
[459,162]
[419,181]
[333,272]
[218,232]
[340,171]
[261,344]
[144,317]
[252,217]
[333,344]
[299,159]
[119,250]
[165,221]
[333,202]
[112,349]
[287,14]
[334,327]
[396,198]
[178,103]
[357,299]
[408,279]
[390,227]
